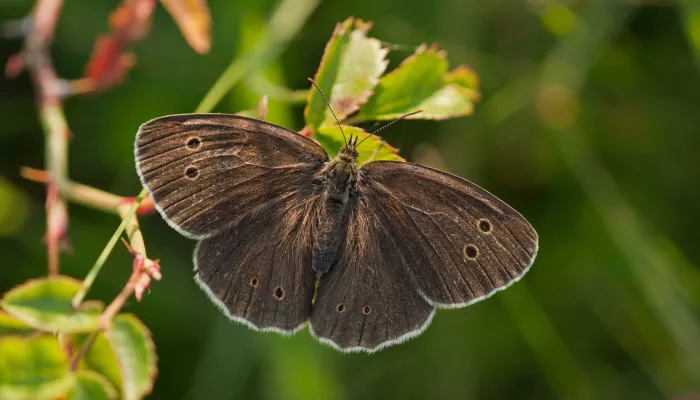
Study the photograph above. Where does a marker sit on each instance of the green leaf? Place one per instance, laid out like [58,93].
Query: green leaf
[135,351]
[92,386]
[422,82]
[45,304]
[363,62]
[99,358]
[315,111]
[350,69]
[12,326]
[33,368]
[373,149]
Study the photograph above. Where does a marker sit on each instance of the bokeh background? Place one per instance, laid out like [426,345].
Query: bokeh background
[589,126]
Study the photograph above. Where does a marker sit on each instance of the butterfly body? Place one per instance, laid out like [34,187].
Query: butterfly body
[339,183]
[288,236]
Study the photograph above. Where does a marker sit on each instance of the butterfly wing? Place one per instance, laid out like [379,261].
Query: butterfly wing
[461,243]
[417,238]
[204,171]
[367,301]
[245,189]
[259,271]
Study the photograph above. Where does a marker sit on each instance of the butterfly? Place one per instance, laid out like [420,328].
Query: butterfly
[287,235]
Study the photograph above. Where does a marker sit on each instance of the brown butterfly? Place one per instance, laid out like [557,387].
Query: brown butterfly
[288,235]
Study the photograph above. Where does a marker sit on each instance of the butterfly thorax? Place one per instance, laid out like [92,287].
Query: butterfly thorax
[339,177]
[339,180]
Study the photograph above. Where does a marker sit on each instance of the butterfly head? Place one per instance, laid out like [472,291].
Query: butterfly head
[349,151]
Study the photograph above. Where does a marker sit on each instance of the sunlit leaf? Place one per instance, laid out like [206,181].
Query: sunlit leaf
[45,304]
[372,149]
[194,20]
[33,368]
[135,352]
[13,326]
[363,62]
[422,82]
[99,358]
[350,69]
[315,111]
[92,386]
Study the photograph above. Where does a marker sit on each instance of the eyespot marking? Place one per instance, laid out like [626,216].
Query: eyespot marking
[340,308]
[279,293]
[193,143]
[366,310]
[191,172]
[484,225]
[254,282]
[471,251]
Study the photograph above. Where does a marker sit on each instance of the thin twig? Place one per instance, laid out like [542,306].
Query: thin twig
[90,196]
[35,56]
[128,220]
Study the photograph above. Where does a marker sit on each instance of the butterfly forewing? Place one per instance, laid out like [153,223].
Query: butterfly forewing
[206,170]
[459,243]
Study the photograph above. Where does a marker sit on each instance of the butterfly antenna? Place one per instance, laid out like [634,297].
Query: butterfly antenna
[389,124]
[329,107]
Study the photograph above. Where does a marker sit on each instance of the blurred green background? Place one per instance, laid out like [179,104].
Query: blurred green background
[589,126]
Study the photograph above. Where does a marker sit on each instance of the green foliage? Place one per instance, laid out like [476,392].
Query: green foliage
[45,304]
[350,75]
[99,358]
[135,352]
[422,82]
[92,386]
[122,360]
[13,326]
[34,368]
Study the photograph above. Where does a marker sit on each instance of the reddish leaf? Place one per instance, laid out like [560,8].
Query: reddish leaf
[194,20]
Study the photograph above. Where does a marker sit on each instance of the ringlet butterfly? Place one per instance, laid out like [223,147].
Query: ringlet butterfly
[286,234]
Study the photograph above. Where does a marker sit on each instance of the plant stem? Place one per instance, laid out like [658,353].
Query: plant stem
[89,196]
[35,56]
[285,23]
[83,349]
[126,221]
[262,86]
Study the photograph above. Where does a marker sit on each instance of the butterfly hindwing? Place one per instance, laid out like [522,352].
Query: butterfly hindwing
[259,271]
[205,170]
[367,300]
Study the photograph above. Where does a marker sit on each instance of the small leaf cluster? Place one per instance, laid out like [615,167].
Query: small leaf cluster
[41,334]
[351,74]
